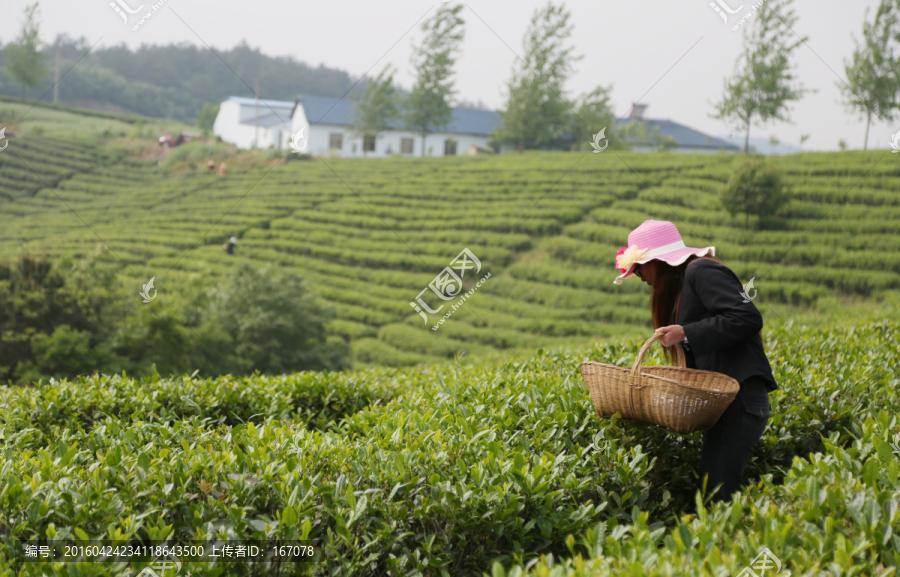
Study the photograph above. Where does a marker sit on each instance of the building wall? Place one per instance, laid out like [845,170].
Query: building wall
[227,125]
[319,138]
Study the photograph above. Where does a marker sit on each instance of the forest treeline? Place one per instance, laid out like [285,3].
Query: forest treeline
[171,82]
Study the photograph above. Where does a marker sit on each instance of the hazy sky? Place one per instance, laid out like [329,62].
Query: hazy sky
[672,55]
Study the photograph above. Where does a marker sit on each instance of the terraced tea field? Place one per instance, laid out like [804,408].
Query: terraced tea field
[370,234]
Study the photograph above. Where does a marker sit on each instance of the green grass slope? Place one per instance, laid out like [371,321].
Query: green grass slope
[370,234]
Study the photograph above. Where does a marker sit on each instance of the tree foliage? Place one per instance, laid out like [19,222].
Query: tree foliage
[763,83]
[274,323]
[376,111]
[206,117]
[427,106]
[51,317]
[63,320]
[25,63]
[755,188]
[592,113]
[873,75]
[174,81]
[639,134]
[537,113]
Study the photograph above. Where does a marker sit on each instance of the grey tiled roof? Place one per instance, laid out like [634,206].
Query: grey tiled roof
[271,112]
[334,111]
[276,104]
[686,137]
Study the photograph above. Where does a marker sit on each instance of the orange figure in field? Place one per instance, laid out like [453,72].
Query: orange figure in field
[222,169]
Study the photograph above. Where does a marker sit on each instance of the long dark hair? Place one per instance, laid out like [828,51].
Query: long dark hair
[665,295]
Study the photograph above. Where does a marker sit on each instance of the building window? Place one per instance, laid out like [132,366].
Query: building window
[369,144]
[406,145]
[336,140]
[450,147]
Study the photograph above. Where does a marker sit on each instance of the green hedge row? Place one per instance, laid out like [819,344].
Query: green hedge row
[317,400]
[835,513]
[471,465]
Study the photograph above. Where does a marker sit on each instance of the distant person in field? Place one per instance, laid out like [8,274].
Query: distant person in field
[697,301]
[222,169]
[211,165]
[230,247]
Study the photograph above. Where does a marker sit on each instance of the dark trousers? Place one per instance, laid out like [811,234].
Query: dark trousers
[727,446]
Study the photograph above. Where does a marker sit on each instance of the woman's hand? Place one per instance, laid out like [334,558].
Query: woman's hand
[670,335]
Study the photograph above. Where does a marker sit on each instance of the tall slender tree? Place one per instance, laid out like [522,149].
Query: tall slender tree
[25,63]
[376,110]
[873,75]
[537,111]
[592,113]
[427,106]
[206,118]
[763,83]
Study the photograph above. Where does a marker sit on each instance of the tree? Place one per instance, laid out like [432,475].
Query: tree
[376,110]
[755,188]
[64,353]
[52,317]
[592,113]
[25,63]
[63,319]
[639,134]
[873,77]
[206,117]
[427,106]
[537,112]
[762,85]
[152,338]
[274,323]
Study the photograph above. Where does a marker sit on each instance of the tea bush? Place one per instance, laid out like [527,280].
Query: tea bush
[835,514]
[317,400]
[468,468]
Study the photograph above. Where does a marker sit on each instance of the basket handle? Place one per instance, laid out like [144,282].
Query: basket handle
[679,355]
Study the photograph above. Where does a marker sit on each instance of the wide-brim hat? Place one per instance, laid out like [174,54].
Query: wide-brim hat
[655,239]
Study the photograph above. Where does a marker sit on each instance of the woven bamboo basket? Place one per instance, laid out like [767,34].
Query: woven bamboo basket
[680,399]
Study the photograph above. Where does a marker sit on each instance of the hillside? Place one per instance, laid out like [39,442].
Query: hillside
[462,468]
[174,81]
[369,235]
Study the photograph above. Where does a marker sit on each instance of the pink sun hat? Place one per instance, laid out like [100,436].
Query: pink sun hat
[655,239]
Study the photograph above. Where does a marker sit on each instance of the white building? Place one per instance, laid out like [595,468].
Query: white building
[245,121]
[325,120]
[248,122]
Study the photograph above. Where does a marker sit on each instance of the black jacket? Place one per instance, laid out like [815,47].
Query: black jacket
[722,331]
